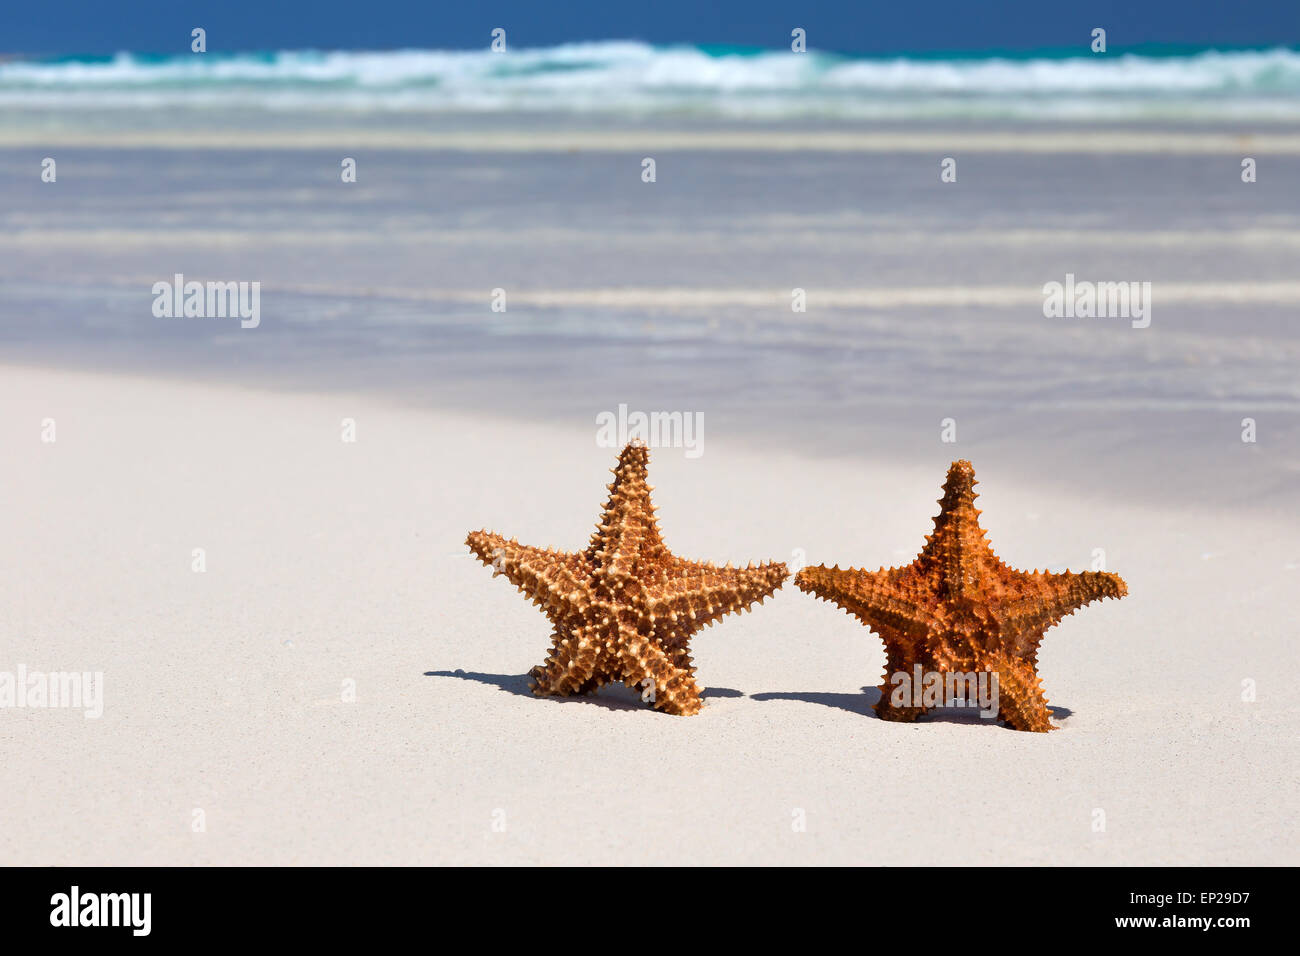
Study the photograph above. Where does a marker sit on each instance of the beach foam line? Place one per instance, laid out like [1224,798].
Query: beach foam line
[631,79]
[761,234]
[1285,292]
[698,298]
[859,298]
[1076,140]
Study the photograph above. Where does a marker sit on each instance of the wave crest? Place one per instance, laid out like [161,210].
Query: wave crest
[634,77]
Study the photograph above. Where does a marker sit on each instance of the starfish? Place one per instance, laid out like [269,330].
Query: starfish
[625,609]
[958,609]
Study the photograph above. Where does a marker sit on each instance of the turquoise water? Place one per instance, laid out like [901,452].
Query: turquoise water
[636,78]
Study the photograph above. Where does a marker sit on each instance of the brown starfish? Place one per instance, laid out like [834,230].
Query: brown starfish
[958,609]
[625,609]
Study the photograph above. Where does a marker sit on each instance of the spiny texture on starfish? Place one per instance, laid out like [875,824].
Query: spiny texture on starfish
[958,609]
[625,609]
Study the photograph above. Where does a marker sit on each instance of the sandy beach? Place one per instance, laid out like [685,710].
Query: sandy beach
[328,562]
[301,662]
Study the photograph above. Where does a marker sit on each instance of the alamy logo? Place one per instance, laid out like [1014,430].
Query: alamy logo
[923,688]
[102,909]
[209,300]
[1101,300]
[53,689]
[653,429]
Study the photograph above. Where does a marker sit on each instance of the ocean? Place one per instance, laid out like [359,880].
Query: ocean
[780,178]
[638,79]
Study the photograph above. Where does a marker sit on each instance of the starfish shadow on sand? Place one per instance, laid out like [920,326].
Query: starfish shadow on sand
[863,704]
[860,704]
[611,696]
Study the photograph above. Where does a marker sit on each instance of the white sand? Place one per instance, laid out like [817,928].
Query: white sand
[329,562]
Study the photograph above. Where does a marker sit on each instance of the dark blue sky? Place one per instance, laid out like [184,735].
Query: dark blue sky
[862,26]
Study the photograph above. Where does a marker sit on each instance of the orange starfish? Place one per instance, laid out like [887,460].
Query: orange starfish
[625,609]
[957,609]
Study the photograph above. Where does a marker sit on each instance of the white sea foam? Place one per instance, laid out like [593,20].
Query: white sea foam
[638,78]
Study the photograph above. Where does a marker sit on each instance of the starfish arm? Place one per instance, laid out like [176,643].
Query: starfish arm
[645,664]
[1048,598]
[957,551]
[1021,703]
[694,594]
[885,599]
[628,531]
[897,658]
[550,578]
[570,666]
